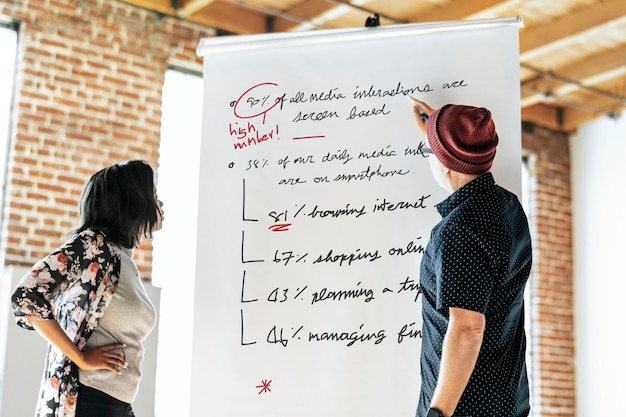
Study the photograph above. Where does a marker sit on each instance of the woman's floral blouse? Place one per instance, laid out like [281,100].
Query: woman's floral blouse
[74,285]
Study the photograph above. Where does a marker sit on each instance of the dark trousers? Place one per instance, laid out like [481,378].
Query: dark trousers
[95,403]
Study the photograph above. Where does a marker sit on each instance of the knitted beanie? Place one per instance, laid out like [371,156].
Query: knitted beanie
[463,138]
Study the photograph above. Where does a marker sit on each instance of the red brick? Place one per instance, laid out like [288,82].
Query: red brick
[553,320]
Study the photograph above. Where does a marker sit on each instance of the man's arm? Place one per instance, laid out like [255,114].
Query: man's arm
[461,346]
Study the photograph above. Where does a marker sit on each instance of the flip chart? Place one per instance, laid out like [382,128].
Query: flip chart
[316,203]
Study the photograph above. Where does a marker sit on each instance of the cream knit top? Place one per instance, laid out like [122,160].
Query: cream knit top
[128,319]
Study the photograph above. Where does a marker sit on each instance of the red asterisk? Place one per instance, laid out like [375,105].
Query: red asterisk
[265,386]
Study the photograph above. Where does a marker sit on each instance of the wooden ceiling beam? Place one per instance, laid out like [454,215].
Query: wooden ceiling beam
[588,66]
[562,119]
[567,113]
[160,6]
[566,89]
[230,17]
[589,71]
[315,14]
[457,10]
[536,41]
[542,115]
[307,10]
[573,118]
[192,6]
[314,10]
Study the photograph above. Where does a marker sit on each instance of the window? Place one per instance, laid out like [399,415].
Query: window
[173,266]
[528,163]
[8,51]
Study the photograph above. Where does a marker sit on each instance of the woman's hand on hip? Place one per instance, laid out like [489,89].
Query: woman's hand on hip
[103,357]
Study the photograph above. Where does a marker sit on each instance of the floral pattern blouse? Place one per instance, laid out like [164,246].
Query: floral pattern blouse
[73,285]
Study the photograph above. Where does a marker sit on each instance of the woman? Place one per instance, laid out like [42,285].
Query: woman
[87,300]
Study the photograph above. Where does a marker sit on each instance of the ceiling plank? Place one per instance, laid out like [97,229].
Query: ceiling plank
[572,115]
[588,66]
[314,10]
[589,71]
[161,6]
[559,118]
[573,118]
[191,7]
[310,10]
[231,18]
[533,41]
[569,88]
[542,115]
[458,10]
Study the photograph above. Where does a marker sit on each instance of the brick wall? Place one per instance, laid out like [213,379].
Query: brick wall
[90,78]
[552,315]
[89,85]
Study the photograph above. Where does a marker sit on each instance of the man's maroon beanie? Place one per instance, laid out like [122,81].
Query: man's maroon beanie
[463,138]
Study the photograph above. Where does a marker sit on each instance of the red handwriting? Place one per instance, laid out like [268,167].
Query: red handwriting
[256,101]
[265,386]
[250,134]
[280,227]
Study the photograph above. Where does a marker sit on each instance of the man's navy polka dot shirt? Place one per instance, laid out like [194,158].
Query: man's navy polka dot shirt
[479,258]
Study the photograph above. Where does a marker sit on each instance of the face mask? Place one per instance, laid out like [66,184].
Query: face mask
[438,173]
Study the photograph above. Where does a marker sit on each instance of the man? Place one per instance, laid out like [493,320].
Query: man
[473,275]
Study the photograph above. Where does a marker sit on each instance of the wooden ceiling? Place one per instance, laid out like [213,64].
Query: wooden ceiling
[572,52]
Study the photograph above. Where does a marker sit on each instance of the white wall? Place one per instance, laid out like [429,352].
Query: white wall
[598,157]
[21,363]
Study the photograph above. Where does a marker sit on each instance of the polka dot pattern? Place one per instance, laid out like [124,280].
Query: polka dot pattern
[479,258]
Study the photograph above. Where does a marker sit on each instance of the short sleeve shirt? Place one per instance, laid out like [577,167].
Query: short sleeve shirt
[478,258]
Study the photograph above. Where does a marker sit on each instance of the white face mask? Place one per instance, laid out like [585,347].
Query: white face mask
[438,173]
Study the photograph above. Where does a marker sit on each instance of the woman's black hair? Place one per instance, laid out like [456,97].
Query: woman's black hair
[120,201]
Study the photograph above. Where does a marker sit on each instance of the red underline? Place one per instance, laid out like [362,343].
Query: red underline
[309,137]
